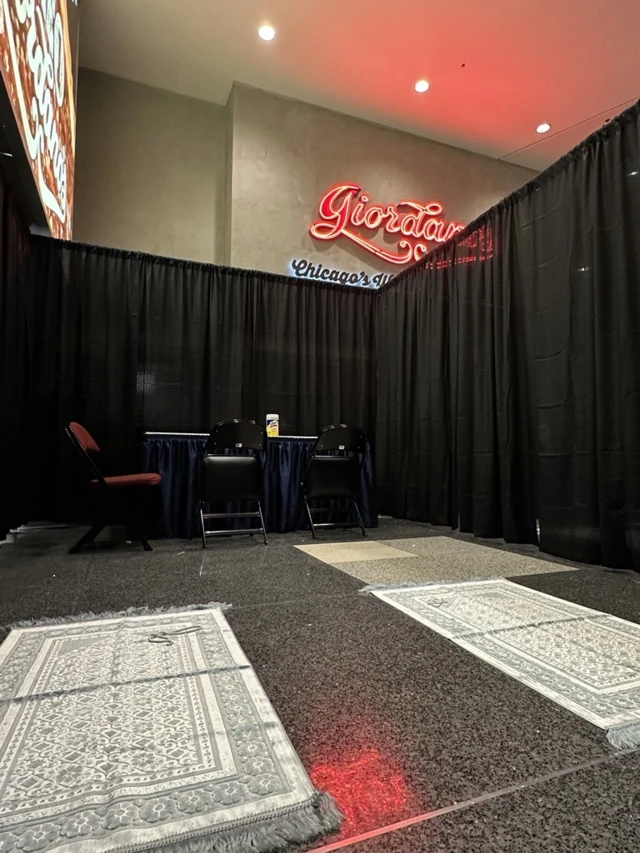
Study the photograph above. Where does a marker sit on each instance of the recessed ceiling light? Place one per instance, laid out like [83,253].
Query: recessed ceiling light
[267,33]
[421,86]
[543,128]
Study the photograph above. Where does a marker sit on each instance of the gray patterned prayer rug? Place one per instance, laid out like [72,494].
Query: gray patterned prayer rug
[586,661]
[145,733]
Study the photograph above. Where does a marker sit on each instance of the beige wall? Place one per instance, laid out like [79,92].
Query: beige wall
[170,175]
[286,154]
[150,170]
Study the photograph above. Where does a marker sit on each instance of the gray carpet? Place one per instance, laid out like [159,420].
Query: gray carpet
[427,558]
[346,675]
[583,659]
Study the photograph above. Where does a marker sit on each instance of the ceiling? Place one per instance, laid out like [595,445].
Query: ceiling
[497,69]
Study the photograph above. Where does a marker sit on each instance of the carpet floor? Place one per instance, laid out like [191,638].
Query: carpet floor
[396,722]
[426,559]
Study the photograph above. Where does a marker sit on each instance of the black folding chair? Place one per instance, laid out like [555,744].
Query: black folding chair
[110,490]
[233,470]
[333,472]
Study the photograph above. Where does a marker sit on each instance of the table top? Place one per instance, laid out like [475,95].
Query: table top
[206,435]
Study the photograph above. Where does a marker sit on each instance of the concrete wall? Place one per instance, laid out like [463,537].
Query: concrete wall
[287,154]
[161,173]
[150,170]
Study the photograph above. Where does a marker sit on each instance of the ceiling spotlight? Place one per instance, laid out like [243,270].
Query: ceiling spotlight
[421,86]
[543,128]
[267,33]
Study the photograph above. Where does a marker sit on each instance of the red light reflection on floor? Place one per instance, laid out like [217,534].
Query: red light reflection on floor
[366,789]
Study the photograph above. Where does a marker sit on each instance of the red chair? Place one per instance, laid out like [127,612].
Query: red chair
[109,490]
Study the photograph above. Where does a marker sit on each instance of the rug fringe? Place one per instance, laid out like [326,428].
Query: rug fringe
[382,587]
[301,825]
[114,614]
[625,737]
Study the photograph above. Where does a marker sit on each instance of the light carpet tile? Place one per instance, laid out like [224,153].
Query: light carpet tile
[348,552]
[416,570]
[437,558]
[462,558]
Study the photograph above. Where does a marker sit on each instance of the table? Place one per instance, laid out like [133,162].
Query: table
[177,456]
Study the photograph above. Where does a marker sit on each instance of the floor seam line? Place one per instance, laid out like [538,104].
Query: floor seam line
[474,801]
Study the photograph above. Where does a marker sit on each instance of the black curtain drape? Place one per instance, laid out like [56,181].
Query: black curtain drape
[130,342]
[499,377]
[509,371]
[15,362]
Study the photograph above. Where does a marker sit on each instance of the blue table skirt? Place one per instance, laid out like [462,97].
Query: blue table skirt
[177,457]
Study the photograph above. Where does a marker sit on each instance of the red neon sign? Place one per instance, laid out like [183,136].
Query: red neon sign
[413,224]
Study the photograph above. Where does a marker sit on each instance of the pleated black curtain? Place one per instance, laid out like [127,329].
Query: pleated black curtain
[509,371]
[500,376]
[15,364]
[413,435]
[129,343]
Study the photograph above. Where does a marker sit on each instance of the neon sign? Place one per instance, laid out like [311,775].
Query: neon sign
[478,246]
[412,224]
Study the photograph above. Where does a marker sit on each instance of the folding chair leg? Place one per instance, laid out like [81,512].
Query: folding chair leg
[264,529]
[136,532]
[89,536]
[355,503]
[204,530]
[313,530]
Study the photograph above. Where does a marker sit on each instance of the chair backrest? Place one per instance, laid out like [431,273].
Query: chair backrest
[83,437]
[230,478]
[87,448]
[341,437]
[334,467]
[237,434]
